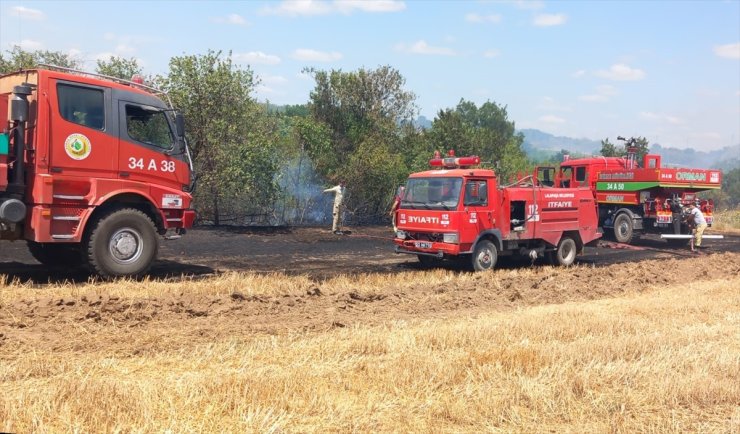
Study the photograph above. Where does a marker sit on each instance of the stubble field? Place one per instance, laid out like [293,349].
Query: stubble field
[626,341]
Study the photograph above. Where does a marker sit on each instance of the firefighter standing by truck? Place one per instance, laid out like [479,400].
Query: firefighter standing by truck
[395,205]
[338,191]
[696,220]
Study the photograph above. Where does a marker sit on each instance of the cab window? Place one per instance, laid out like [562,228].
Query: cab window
[82,105]
[476,193]
[581,175]
[148,126]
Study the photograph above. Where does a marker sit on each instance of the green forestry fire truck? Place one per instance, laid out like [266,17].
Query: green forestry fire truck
[636,199]
[458,211]
[92,168]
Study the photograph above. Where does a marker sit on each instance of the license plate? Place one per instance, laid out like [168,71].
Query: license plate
[423,244]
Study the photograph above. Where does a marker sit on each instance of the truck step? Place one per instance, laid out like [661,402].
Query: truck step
[70,218]
[62,237]
[68,197]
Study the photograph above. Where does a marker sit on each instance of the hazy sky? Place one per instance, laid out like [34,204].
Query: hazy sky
[666,70]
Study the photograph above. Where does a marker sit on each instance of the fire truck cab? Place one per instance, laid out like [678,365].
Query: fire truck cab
[92,168]
[458,211]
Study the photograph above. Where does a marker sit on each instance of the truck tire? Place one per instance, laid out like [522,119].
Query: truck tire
[484,256]
[122,243]
[623,231]
[56,255]
[566,252]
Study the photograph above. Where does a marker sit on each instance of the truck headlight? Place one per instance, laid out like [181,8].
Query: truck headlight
[401,234]
[451,238]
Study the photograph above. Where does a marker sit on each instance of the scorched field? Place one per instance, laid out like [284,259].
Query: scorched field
[299,330]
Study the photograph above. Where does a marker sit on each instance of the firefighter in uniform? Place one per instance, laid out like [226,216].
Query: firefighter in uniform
[336,212]
[696,219]
[395,205]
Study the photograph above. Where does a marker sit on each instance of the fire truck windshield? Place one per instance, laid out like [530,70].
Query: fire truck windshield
[432,193]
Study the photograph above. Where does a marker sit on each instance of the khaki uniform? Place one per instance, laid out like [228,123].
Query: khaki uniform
[700,224]
[336,212]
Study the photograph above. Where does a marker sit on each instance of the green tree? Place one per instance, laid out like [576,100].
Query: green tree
[485,131]
[17,58]
[367,113]
[731,187]
[231,136]
[119,67]
[609,149]
[360,103]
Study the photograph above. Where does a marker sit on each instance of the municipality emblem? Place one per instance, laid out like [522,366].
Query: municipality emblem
[77,146]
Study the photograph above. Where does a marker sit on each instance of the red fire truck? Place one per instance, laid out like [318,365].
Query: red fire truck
[91,169]
[634,199]
[458,211]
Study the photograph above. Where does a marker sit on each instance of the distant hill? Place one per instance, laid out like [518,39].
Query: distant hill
[536,139]
[726,158]
[539,143]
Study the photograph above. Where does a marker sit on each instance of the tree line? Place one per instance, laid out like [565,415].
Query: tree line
[255,159]
[259,163]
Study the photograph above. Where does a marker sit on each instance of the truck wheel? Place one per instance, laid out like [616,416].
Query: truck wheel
[565,254]
[484,256]
[122,243]
[623,231]
[56,255]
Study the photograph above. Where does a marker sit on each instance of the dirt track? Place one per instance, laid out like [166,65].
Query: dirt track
[106,316]
[200,310]
[311,251]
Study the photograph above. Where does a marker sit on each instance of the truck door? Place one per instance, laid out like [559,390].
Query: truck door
[478,215]
[82,138]
[147,147]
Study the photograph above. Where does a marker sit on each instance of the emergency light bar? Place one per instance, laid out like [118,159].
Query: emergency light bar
[451,161]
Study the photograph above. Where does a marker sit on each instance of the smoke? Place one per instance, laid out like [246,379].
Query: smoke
[303,200]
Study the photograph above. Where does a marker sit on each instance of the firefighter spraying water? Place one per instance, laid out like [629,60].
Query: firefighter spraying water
[339,192]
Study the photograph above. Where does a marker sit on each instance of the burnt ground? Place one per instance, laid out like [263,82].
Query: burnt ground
[100,318]
[312,251]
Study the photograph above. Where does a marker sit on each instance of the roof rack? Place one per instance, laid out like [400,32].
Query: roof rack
[107,77]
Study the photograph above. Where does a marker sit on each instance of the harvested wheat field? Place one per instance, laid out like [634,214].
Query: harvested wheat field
[652,346]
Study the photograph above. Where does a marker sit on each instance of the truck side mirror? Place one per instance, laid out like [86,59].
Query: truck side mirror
[180,125]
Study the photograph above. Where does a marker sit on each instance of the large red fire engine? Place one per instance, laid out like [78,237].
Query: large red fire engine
[634,199]
[91,170]
[458,211]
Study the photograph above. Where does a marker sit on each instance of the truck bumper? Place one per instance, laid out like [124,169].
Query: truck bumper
[426,248]
[178,219]
[438,255]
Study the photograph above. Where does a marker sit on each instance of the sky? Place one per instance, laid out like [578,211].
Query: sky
[665,70]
